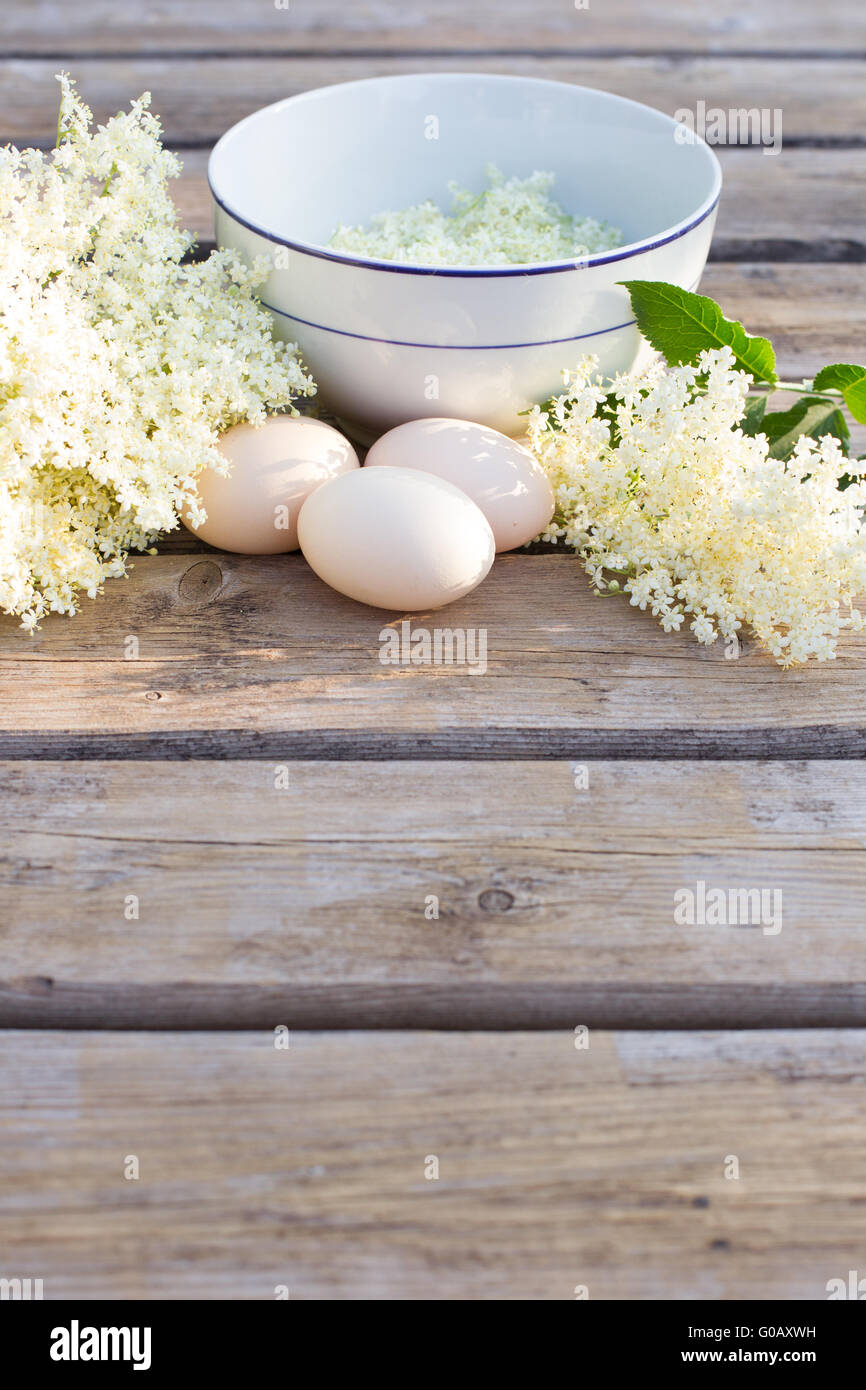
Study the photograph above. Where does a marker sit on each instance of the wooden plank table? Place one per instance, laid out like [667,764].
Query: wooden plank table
[242,831]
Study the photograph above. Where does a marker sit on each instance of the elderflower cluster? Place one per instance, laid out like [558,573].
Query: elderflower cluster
[119,366]
[667,499]
[513,222]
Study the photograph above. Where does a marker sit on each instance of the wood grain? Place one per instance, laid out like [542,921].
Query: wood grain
[198,99]
[811,204]
[323,26]
[245,657]
[302,892]
[558,1167]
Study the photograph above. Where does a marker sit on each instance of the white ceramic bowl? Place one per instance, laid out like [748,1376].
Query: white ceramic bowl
[389,343]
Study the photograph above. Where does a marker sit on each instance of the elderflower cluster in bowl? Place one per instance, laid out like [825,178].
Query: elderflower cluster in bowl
[668,500]
[512,222]
[119,365]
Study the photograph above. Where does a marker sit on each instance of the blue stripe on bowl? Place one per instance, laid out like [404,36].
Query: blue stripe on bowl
[455,347]
[445,347]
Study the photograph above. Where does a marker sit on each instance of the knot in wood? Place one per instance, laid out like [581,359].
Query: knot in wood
[495,900]
[200,583]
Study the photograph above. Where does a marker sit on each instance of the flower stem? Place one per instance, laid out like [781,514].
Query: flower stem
[801,387]
[105,187]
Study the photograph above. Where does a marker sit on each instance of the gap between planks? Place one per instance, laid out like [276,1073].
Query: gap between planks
[482,743]
[406,53]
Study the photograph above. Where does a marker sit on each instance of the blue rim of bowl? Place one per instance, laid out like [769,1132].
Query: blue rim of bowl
[635,248]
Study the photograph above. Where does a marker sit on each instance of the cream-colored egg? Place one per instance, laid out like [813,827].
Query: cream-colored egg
[275,467]
[396,538]
[499,474]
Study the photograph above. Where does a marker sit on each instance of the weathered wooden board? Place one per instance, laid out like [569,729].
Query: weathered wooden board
[323,26]
[557,1168]
[226,894]
[245,657]
[811,312]
[821,101]
[804,205]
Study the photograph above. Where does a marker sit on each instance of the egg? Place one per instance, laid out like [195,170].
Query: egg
[396,538]
[499,474]
[275,467]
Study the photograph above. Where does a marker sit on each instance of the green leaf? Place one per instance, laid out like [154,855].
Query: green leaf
[753,414]
[681,325]
[851,381]
[811,415]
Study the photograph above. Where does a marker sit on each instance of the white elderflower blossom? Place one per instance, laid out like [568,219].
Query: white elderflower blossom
[119,366]
[672,503]
[513,222]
